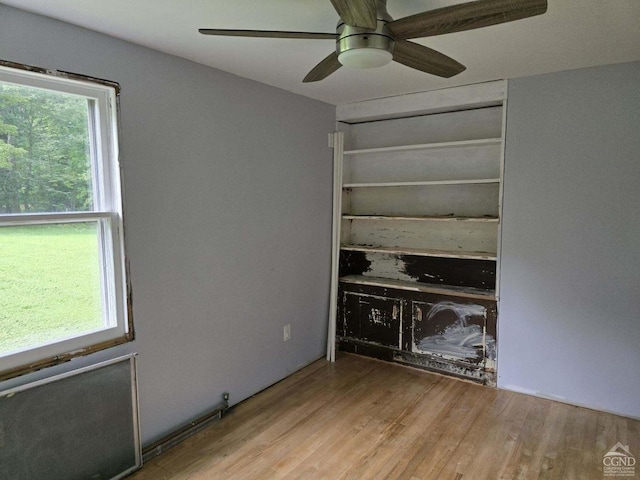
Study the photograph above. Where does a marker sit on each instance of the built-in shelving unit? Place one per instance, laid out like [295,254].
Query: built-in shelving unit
[419,218]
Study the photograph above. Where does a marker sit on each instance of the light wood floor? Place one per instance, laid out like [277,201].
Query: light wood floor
[364,419]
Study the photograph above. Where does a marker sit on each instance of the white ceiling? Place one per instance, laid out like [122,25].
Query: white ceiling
[572,34]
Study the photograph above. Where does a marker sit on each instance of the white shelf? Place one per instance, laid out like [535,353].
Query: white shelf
[422,183]
[422,252]
[425,218]
[417,234]
[427,146]
[465,292]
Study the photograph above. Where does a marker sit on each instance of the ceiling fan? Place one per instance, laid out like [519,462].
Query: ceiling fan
[367,36]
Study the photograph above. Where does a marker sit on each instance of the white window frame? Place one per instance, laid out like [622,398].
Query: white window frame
[106,213]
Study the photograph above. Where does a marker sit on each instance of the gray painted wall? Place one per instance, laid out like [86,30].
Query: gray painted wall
[569,325]
[227,213]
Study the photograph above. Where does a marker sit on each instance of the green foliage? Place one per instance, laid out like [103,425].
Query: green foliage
[45,164]
[8,155]
[49,283]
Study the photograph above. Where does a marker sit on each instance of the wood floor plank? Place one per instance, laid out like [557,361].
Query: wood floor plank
[468,459]
[363,419]
[313,417]
[540,442]
[436,452]
[364,428]
[323,432]
[409,425]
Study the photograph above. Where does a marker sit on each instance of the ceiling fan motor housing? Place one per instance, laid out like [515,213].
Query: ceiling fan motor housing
[364,48]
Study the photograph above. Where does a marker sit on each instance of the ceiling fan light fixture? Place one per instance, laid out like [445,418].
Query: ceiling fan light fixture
[367,36]
[365,58]
[362,48]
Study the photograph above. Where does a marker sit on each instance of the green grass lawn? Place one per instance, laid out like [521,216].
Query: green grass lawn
[49,283]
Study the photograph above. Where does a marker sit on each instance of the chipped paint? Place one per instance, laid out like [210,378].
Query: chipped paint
[372,318]
[454,272]
[387,265]
[445,366]
[459,340]
[375,315]
[61,74]
[431,331]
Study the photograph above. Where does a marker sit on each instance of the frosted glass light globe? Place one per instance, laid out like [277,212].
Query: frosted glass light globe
[365,58]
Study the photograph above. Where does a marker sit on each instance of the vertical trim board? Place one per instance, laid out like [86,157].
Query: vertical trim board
[338,149]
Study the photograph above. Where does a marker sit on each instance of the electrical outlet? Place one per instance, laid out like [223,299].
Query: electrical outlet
[287,332]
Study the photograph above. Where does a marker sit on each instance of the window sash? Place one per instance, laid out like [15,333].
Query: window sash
[103,129]
[20,219]
[113,294]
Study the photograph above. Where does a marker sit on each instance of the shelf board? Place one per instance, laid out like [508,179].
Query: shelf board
[426,218]
[465,292]
[422,252]
[428,146]
[422,183]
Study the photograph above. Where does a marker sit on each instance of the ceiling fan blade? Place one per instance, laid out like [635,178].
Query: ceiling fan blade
[357,13]
[325,68]
[425,59]
[267,34]
[465,16]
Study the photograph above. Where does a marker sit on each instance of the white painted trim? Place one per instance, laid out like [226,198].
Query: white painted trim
[423,103]
[500,197]
[499,236]
[338,149]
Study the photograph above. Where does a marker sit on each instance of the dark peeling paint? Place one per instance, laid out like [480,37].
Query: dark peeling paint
[62,74]
[353,263]
[372,318]
[456,272]
[390,324]
[451,271]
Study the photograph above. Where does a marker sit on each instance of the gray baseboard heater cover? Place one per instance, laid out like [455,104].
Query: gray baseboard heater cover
[81,425]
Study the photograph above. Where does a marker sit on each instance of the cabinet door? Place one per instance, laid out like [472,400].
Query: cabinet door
[372,318]
[450,330]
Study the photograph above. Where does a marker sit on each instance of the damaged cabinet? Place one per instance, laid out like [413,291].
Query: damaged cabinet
[419,237]
[373,318]
[450,334]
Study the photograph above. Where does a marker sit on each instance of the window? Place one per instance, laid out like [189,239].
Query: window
[62,275]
